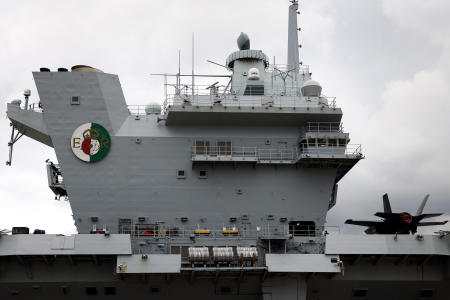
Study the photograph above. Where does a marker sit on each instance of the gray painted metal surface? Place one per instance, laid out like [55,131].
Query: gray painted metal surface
[301,263]
[51,244]
[149,264]
[387,244]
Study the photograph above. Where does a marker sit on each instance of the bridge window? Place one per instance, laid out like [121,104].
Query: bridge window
[342,142]
[332,142]
[321,142]
[311,142]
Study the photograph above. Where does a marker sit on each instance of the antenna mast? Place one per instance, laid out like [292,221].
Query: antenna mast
[179,72]
[193,80]
[293,57]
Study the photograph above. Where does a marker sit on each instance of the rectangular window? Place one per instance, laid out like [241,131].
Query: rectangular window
[202,147]
[203,174]
[110,290]
[342,142]
[321,142]
[223,148]
[75,100]
[311,142]
[332,142]
[181,174]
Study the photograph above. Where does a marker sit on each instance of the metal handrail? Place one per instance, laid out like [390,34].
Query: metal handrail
[229,231]
[249,101]
[349,149]
[272,154]
[242,151]
[324,127]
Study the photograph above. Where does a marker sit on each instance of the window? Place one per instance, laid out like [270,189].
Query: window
[332,142]
[202,147]
[91,290]
[311,142]
[64,290]
[110,290]
[203,174]
[359,293]
[223,148]
[75,100]
[321,142]
[181,174]
[426,293]
[342,142]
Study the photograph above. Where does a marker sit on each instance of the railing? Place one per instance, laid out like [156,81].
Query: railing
[249,101]
[136,109]
[277,154]
[349,149]
[235,231]
[303,69]
[324,127]
[37,107]
[237,153]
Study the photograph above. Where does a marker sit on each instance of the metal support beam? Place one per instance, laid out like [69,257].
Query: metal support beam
[20,259]
[192,276]
[425,260]
[14,138]
[70,258]
[357,258]
[401,259]
[309,276]
[44,257]
[377,259]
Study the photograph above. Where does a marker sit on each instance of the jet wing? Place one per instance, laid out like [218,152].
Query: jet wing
[431,223]
[385,215]
[362,223]
[425,216]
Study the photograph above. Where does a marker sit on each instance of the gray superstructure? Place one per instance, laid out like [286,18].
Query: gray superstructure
[221,193]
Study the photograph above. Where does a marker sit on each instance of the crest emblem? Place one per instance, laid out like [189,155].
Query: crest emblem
[90,142]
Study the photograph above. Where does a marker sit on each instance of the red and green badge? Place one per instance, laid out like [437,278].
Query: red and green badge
[90,142]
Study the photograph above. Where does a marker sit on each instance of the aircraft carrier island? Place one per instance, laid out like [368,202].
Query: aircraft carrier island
[221,192]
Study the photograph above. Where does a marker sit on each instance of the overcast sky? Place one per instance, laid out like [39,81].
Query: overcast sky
[386,61]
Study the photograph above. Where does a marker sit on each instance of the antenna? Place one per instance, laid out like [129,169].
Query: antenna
[293,57]
[179,70]
[193,80]
[212,62]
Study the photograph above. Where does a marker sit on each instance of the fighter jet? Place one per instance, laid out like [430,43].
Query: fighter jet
[397,223]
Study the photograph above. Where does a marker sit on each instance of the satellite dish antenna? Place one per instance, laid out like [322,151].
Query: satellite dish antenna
[243,41]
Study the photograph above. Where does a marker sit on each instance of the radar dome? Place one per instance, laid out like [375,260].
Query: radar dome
[153,109]
[243,41]
[253,74]
[311,88]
